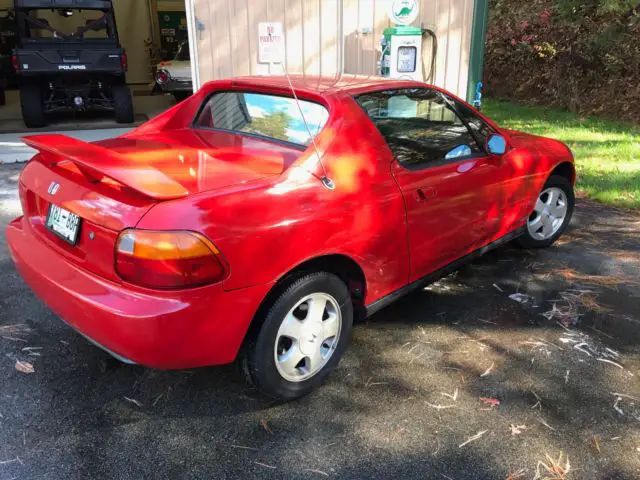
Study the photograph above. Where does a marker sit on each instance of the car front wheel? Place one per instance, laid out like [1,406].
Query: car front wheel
[303,334]
[551,214]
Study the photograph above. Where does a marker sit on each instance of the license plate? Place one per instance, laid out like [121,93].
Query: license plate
[63,223]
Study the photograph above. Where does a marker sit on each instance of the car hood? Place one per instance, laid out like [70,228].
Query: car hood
[550,146]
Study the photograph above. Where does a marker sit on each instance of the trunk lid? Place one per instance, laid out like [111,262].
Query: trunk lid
[111,184]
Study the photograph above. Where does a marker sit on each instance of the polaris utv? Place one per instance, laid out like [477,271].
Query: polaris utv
[68,57]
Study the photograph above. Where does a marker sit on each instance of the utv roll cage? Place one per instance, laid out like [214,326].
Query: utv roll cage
[25,20]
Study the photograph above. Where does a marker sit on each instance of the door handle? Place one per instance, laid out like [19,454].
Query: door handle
[425,193]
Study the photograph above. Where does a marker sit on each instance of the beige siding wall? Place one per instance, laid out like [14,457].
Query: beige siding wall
[313,37]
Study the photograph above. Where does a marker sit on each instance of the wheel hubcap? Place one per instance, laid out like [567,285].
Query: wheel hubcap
[548,214]
[307,337]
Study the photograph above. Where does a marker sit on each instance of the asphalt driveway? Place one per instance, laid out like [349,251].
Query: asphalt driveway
[461,380]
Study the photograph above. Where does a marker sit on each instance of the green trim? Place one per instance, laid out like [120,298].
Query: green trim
[476,54]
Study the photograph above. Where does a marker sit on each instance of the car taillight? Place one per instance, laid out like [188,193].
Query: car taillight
[162,77]
[168,259]
[14,61]
[123,60]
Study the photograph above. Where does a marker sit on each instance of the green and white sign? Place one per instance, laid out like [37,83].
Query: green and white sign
[403,12]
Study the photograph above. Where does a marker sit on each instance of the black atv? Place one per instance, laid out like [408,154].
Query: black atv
[68,57]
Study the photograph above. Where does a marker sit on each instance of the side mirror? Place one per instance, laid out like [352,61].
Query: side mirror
[496,145]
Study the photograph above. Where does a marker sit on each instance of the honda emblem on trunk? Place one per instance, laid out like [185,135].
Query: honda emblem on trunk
[53,188]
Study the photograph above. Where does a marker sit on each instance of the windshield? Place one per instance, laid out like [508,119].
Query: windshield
[66,24]
[182,54]
[264,115]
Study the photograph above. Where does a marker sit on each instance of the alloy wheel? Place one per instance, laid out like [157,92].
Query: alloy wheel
[549,213]
[307,337]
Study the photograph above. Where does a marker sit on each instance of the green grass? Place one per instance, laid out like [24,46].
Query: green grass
[607,153]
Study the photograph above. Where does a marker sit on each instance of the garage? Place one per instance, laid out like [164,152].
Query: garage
[87,66]
[170,47]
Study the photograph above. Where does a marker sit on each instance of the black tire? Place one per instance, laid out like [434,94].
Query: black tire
[3,98]
[32,105]
[122,104]
[181,95]
[258,360]
[555,181]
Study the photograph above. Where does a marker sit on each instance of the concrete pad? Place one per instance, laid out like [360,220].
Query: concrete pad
[12,150]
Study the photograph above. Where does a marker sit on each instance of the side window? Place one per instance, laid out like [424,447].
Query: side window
[481,130]
[419,125]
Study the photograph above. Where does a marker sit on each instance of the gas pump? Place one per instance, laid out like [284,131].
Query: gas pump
[402,52]
[402,45]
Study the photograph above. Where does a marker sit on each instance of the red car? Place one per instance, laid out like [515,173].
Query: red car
[251,222]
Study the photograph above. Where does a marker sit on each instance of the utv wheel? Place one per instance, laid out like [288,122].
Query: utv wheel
[32,105]
[122,103]
[551,214]
[303,334]
[181,95]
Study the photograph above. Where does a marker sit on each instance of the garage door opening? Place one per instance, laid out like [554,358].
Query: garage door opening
[89,65]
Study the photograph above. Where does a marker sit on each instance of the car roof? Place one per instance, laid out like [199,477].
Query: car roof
[324,85]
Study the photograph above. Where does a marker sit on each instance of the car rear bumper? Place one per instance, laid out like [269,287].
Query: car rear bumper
[167,330]
[177,86]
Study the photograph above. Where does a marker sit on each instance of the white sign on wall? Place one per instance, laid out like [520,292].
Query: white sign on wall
[270,42]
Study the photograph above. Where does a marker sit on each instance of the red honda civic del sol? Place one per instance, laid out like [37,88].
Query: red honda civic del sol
[260,217]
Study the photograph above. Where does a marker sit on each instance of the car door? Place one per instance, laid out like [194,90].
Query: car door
[450,185]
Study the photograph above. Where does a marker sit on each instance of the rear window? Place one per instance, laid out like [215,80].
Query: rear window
[264,115]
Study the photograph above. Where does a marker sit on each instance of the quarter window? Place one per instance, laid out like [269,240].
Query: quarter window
[419,125]
[264,115]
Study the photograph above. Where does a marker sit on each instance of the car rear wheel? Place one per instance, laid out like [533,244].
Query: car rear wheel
[122,103]
[303,334]
[551,214]
[3,98]
[32,105]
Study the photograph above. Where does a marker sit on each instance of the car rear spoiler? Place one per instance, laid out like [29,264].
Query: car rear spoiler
[97,162]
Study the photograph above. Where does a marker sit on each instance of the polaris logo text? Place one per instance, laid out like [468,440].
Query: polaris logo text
[72,67]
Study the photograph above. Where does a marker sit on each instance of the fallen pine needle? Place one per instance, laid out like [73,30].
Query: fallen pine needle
[137,403]
[610,362]
[579,346]
[243,447]
[542,421]
[265,465]
[566,377]
[596,443]
[556,468]
[7,462]
[440,407]
[417,357]
[319,472]
[624,395]
[498,288]
[266,426]
[453,396]
[473,438]
[24,367]
[616,407]
[488,371]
